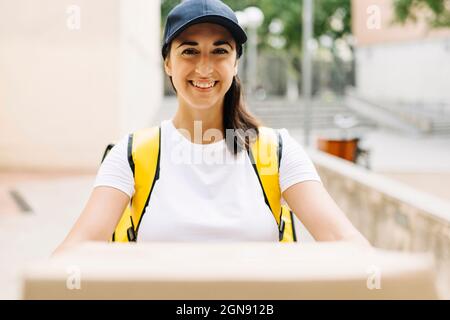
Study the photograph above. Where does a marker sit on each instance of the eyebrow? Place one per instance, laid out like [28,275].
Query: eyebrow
[193,43]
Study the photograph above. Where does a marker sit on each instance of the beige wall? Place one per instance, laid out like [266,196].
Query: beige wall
[388,32]
[399,64]
[65,93]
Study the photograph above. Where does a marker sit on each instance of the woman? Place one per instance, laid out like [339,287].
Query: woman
[193,199]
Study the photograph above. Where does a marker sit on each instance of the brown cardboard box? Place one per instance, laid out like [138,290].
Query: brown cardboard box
[230,271]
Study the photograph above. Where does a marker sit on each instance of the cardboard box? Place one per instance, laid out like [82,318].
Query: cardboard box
[230,271]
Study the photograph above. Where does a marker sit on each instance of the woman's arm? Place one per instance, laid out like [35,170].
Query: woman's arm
[318,212]
[99,217]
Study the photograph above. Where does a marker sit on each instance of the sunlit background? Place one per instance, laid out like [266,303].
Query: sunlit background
[363,85]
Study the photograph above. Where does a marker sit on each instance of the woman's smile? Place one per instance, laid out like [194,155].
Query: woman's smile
[203,86]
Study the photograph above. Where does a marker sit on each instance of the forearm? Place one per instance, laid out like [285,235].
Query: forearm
[98,219]
[73,239]
[357,238]
[63,247]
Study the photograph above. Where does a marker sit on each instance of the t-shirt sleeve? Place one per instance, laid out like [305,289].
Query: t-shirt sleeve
[295,166]
[115,170]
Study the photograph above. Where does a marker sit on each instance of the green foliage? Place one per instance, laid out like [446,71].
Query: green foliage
[438,11]
[290,12]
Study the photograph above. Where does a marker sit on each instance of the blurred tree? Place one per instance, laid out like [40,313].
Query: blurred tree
[332,17]
[438,11]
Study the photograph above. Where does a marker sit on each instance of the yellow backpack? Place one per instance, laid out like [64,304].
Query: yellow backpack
[144,156]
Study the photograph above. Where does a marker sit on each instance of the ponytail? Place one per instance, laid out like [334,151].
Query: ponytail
[238,118]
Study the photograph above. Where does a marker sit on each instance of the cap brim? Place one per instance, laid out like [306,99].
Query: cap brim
[236,31]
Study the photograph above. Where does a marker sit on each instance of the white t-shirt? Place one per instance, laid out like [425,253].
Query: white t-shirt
[204,193]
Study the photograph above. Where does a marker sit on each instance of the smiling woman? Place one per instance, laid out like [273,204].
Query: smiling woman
[202,67]
[201,60]
[147,190]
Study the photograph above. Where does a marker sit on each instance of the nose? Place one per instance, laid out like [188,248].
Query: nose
[204,67]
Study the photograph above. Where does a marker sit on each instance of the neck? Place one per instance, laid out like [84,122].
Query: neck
[203,125]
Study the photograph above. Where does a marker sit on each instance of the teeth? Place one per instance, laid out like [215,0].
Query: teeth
[203,85]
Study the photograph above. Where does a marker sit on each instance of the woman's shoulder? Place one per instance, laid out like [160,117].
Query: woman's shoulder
[147,134]
[282,133]
[296,166]
[150,130]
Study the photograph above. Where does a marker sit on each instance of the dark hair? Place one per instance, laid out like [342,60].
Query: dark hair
[236,116]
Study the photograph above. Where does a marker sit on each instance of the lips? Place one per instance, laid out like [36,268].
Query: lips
[203,89]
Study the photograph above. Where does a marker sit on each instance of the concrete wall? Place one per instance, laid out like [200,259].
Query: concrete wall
[74,75]
[410,72]
[368,31]
[407,63]
[390,214]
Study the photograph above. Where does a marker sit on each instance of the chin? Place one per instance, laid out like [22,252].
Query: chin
[202,106]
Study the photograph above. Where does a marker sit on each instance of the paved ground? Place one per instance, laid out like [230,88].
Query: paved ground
[43,206]
[26,236]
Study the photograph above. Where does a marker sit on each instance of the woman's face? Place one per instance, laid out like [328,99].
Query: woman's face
[203,55]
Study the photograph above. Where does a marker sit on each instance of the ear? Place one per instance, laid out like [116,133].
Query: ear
[168,67]
[236,65]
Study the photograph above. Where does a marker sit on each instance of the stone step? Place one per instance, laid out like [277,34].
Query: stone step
[302,115]
[441,125]
[314,124]
[421,119]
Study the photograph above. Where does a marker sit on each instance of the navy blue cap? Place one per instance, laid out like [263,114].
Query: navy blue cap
[190,12]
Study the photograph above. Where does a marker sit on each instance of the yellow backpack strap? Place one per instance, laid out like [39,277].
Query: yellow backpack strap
[143,157]
[288,232]
[287,216]
[265,155]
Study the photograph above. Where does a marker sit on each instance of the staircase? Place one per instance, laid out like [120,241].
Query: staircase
[280,113]
[422,119]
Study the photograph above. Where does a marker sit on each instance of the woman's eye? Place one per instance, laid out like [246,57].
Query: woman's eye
[188,51]
[222,51]
[192,51]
